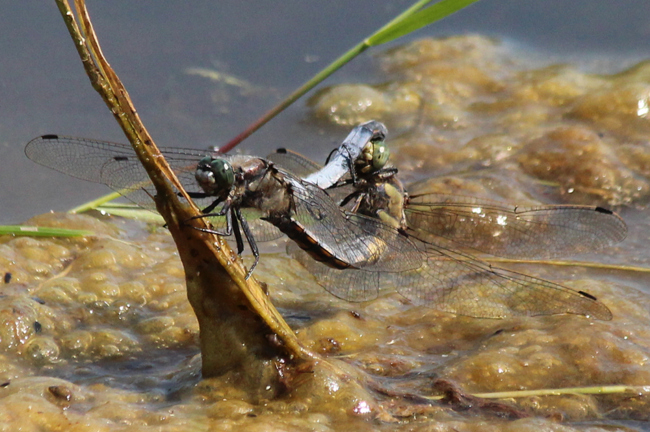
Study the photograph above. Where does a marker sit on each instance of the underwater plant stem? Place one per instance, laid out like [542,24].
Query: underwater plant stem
[595,390]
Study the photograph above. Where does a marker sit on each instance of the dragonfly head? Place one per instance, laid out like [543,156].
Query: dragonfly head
[374,156]
[215,176]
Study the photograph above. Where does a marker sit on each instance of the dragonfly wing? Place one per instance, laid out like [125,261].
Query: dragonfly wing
[460,283]
[359,241]
[262,231]
[78,157]
[113,164]
[351,284]
[293,162]
[126,176]
[117,166]
[300,166]
[498,229]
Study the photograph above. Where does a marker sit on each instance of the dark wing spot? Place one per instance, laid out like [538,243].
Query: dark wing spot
[604,210]
[281,150]
[50,137]
[121,158]
[587,295]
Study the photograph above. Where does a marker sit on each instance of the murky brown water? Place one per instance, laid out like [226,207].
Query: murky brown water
[97,333]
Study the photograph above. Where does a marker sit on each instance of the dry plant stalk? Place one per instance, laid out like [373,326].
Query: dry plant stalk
[235,316]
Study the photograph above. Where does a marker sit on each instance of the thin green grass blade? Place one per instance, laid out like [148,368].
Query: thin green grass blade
[398,28]
[34,231]
[411,19]
[131,211]
[94,204]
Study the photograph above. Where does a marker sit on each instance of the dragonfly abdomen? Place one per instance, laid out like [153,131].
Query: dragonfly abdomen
[317,250]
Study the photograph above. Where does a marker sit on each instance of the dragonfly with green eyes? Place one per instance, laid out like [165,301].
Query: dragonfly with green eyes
[233,190]
[384,239]
[449,229]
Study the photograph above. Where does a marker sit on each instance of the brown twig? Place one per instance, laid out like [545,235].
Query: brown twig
[228,306]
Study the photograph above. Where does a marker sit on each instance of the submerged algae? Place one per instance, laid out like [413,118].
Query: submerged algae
[467,103]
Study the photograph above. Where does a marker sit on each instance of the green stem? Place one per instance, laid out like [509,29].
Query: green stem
[319,77]
[92,205]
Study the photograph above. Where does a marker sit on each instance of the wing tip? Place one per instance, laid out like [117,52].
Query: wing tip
[601,313]
[597,310]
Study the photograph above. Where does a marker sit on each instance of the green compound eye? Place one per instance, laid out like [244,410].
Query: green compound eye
[380,155]
[224,176]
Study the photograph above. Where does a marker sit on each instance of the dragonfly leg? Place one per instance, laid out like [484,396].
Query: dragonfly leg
[347,199]
[237,231]
[195,194]
[349,160]
[341,183]
[385,173]
[225,211]
[251,241]
[346,153]
[206,211]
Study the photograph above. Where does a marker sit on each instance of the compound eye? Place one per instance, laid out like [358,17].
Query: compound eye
[224,175]
[205,160]
[380,155]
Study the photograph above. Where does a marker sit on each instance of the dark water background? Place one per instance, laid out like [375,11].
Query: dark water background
[274,46]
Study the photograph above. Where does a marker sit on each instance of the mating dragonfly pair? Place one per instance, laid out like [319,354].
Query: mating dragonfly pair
[356,229]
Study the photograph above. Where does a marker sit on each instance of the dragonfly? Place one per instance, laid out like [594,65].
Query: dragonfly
[225,186]
[362,150]
[449,229]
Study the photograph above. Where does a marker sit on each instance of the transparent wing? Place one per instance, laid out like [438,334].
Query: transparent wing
[360,241]
[510,231]
[301,166]
[117,166]
[458,283]
[262,231]
[352,285]
[293,162]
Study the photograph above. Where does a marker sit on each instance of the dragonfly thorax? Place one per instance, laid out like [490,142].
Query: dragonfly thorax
[267,192]
[384,199]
